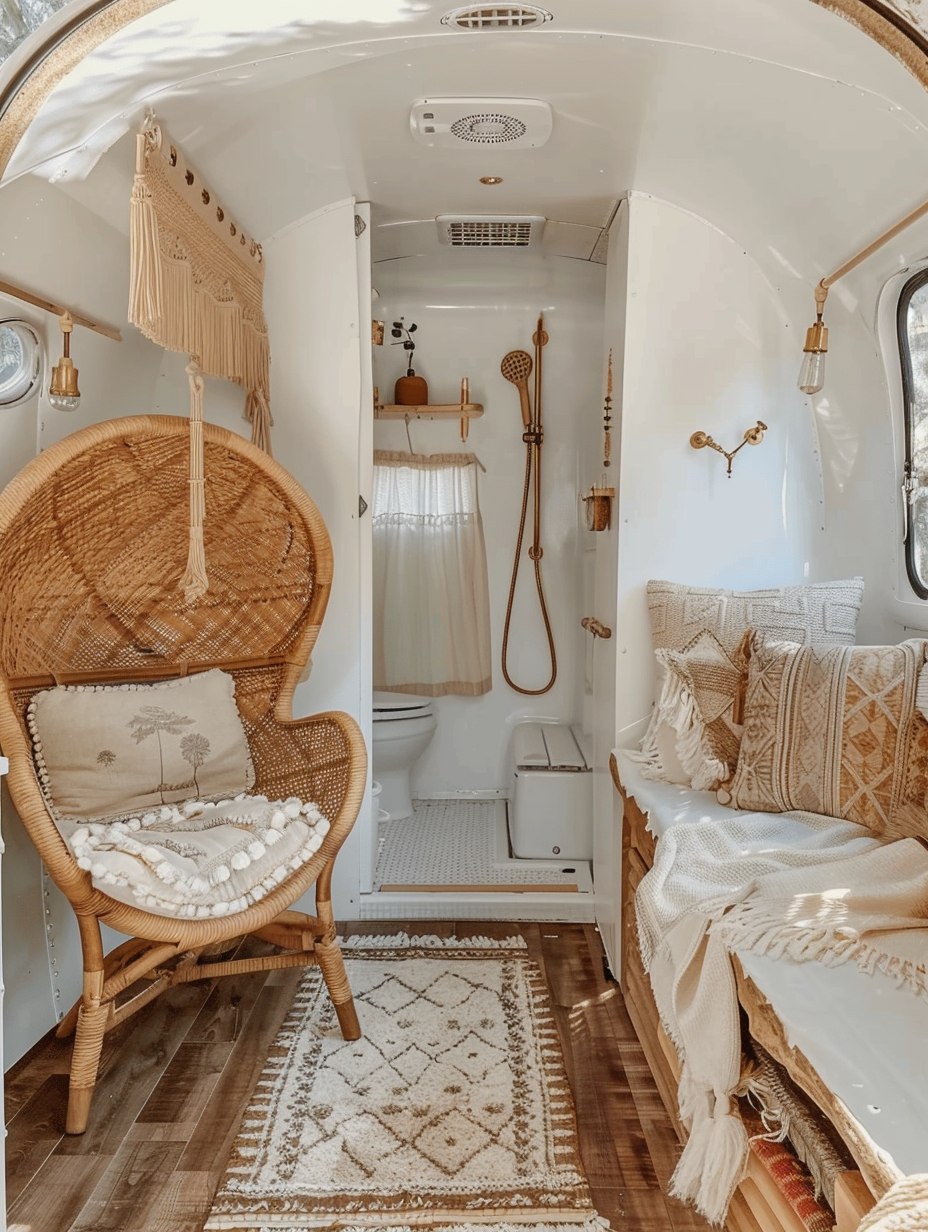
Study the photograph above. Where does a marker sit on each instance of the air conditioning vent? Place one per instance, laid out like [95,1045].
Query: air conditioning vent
[489,129]
[448,123]
[486,231]
[497,17]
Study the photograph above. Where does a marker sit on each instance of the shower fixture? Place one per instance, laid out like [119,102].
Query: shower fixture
[517,367]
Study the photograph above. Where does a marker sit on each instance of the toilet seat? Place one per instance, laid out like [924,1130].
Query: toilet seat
[391,707]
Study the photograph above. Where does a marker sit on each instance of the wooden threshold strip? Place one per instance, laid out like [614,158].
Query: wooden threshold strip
[488,888]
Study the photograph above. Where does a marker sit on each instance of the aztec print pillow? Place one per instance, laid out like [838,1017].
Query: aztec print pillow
[699,640]
[108,750]
[831,730]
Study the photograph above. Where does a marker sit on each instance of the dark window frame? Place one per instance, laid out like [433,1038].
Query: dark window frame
[909,290]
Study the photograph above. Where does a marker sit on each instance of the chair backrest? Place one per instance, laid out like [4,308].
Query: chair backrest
[93,544]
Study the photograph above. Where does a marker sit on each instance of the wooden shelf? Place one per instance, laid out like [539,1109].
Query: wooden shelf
[437,410]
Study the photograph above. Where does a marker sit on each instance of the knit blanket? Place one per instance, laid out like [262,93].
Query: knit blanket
[796,884]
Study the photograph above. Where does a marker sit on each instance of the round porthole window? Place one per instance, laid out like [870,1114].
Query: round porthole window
[20,362]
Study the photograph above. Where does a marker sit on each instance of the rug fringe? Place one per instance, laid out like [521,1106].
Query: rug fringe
[594,1223]
[429,941]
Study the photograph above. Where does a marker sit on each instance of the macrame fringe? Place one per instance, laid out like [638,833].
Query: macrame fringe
[258,413]
[171,248]
[195,582]
[763,932]
[677,708]
[714,1160]
[784,1120]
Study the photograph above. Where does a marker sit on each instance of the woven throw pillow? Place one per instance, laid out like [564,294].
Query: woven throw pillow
[201,859]
[107,750]
[706,626]
[830,730]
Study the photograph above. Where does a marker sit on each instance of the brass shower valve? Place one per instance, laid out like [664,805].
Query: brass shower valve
[752,436]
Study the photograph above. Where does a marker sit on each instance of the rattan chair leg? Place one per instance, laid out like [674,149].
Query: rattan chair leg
[85,1062]
[332,966]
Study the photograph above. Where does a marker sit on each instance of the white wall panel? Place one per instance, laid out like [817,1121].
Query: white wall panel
[57,249]
[707,347]
[311,302]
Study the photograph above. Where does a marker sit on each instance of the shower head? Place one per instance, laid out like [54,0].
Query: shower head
[517,368]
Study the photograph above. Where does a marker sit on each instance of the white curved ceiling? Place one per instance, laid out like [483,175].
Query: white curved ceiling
[774,119]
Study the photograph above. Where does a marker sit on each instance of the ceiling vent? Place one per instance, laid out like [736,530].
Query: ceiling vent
[497,17]
[490,230]
[516,123]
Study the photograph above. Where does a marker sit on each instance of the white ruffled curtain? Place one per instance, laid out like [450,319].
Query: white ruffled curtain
[431,598]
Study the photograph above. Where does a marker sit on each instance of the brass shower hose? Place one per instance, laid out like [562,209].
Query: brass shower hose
[516,367]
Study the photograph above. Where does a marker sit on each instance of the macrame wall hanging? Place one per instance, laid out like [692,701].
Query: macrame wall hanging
[196,286]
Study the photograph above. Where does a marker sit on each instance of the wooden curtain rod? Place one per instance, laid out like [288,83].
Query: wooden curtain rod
[821,291]
[7,288]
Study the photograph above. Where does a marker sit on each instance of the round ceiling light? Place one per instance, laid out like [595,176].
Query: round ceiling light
[497,17]
[491,179]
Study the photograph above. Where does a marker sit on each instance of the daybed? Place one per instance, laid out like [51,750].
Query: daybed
[845,1048]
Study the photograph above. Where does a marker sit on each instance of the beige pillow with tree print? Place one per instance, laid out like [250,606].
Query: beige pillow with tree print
[109,750]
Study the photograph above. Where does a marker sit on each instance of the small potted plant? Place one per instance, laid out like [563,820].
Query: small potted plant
[410,390]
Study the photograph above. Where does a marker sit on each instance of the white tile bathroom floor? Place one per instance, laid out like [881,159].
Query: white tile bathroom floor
[450,856]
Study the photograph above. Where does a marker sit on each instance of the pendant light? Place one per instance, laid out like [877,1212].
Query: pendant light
[63,393]
[812,372]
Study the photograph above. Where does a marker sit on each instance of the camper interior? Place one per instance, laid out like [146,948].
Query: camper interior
[534,285]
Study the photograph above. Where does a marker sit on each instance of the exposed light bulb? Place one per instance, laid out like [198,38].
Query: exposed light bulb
[812,372]
[64,402]
[63,393]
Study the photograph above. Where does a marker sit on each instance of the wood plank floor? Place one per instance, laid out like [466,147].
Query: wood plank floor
[176,1079]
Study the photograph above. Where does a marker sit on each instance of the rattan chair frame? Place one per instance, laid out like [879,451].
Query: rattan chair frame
[162,950]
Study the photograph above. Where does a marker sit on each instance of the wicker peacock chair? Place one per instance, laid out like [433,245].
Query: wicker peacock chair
[93,542]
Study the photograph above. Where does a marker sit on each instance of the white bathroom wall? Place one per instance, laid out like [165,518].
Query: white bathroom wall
[59,250]
[471,308]
[708,346]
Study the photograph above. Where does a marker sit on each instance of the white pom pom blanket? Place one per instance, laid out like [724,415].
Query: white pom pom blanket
[795,884]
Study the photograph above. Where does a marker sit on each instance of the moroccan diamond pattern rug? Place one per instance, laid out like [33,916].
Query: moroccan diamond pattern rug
[453,1108]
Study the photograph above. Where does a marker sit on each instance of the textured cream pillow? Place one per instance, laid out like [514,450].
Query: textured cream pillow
[698,631]
[108,750]
[830,730]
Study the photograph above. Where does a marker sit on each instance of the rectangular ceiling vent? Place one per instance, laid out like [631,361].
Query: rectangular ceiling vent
[486,231]
[497,17]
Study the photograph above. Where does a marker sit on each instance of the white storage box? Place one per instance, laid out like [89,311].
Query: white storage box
[551,794]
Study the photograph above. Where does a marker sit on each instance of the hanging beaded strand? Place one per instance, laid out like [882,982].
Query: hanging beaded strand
[607,417]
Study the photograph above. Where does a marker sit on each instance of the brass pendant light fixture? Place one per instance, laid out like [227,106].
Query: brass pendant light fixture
[63,392]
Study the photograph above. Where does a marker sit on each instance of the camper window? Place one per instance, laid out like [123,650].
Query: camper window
[912,322]
[20,362]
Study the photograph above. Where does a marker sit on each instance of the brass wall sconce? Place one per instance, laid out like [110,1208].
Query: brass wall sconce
[752,436]
[63,393]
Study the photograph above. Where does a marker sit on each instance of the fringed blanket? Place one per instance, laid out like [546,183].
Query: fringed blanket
[795,884]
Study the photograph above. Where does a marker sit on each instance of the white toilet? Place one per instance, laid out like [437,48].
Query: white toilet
[403,727]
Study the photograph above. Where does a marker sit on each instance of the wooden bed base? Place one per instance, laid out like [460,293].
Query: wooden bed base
[758,1204]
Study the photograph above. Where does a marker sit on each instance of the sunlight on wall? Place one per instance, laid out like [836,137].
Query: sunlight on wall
[180,43]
